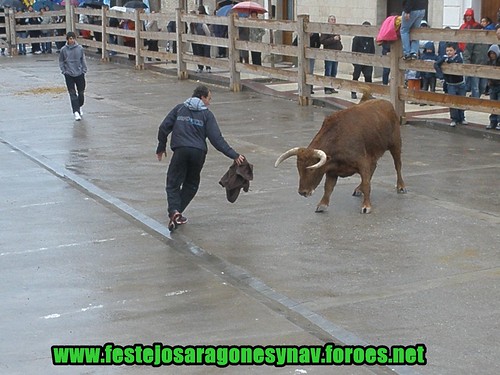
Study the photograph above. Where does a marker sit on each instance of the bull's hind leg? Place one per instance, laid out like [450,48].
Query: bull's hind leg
[365,187]
[396,156]
[330,183]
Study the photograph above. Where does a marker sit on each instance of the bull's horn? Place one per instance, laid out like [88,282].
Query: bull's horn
[286,155]
[322,159]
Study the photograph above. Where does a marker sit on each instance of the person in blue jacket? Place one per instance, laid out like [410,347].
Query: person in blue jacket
[190,124]
[428,78]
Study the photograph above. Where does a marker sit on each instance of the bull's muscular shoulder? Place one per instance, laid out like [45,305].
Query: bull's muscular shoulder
[362,115]
[362,126]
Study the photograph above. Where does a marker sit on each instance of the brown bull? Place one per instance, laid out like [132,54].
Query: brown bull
[350,141]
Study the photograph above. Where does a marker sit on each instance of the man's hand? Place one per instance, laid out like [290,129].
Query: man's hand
[159,156]
[239,160]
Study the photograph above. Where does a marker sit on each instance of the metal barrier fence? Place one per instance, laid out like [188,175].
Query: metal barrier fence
[132,41]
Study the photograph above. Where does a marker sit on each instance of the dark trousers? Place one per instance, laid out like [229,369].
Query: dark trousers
[365,69]
[76,89]
[183,177]
[256,58]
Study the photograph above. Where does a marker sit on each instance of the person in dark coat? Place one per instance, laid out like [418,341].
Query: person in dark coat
[190,123]
[331,41]
[362,44]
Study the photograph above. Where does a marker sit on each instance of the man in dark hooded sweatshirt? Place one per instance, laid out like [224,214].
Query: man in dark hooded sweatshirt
[190,123]
[73,66]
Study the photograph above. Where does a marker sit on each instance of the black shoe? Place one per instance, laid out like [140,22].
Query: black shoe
[353,95]
[413,56]
[333,91]
[328,91]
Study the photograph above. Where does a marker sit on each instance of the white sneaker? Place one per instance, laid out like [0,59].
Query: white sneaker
[77,116]
[465,122]
[81,113]
[452,124]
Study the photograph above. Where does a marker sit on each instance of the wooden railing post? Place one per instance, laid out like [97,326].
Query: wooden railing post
[303,63]
[397,80]
[139,60]
[104,33]
[181,47]
[233,54]
[10,25]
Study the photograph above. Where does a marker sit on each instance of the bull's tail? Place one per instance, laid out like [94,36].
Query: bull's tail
[367,95]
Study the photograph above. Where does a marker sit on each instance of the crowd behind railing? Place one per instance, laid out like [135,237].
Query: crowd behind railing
[227,43]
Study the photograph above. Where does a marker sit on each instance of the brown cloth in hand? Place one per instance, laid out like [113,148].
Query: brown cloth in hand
[237,177]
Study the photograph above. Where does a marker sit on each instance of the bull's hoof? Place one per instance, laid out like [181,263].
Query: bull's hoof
[366,210]
[402,190]
[321,208]
[357,193]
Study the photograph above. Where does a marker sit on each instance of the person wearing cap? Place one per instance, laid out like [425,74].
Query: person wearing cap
[413,14]
[73,67]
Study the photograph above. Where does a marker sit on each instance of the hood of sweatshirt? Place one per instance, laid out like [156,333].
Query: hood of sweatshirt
[71,46]
[494,48]
[195,104]
[430,45]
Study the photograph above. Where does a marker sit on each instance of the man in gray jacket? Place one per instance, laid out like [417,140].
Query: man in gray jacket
[190,123]
[73,66]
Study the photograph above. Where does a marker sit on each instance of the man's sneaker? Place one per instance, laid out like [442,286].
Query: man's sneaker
[175,220]
[453,124]
[498,127]
[77,116]
[81,113]
[491,126]
[465,122]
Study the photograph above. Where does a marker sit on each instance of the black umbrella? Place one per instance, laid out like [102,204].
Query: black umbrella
[135,4]
[92,4]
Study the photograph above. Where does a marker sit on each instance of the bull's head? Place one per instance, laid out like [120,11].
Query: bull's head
[309,163]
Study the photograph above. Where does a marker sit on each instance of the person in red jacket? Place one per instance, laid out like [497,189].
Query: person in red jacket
[469,23]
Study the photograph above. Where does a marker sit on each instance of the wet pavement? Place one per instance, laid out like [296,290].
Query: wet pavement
[85,257]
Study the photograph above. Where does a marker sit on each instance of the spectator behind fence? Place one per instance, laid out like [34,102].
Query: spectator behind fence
[412,16]
[200,28]
[46,20]
[428,79]
[35,47]
[362,44]
[468,24]
[255,35]
[455,83]
[21,34]
[487,23]
[331,41]
[476,53]
[152,25]
[494,84]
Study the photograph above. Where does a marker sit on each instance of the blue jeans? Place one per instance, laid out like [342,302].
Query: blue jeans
[495,95]
[22,46]
[456,114]
[477,86]
[416,17]
[331,68]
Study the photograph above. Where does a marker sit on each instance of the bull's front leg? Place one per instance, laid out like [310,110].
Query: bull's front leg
[330,183]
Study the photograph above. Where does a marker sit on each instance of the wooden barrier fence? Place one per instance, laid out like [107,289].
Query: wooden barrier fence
[396,92]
